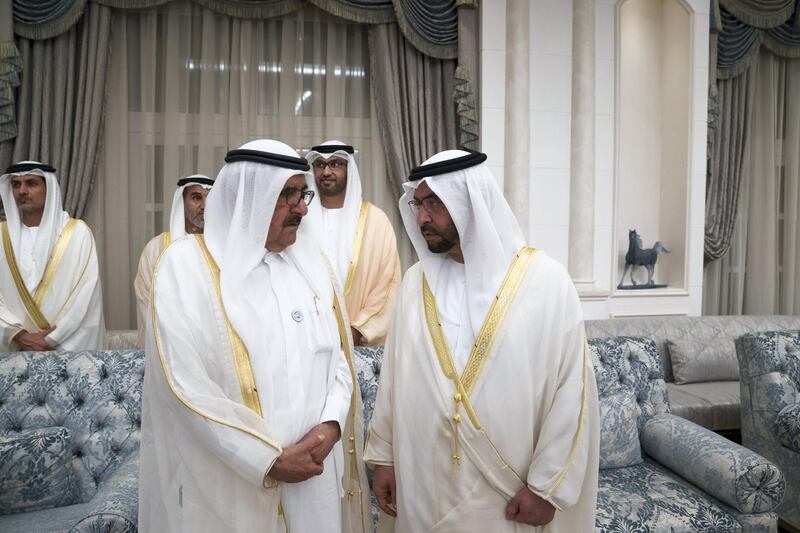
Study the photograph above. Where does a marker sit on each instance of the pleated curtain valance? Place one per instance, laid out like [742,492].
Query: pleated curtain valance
[430,25]
[744,26]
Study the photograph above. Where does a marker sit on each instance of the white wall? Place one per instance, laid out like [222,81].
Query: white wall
[549,157]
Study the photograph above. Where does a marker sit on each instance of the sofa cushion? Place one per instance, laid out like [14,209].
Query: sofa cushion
[647,497]
[619,435]
[700,360]
[632,364]
[36,471]
[787,427]
[715,405]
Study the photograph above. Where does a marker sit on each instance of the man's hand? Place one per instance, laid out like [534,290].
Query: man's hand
[358,338]
[528,508]
[33,342]
[322,438]
[385,489]
[296,464]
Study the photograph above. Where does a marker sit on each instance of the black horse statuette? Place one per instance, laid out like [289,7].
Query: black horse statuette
[637,257]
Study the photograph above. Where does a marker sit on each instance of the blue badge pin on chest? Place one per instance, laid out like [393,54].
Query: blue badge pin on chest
[297,315]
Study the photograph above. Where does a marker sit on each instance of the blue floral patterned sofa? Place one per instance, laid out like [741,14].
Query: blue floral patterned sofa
[659,472]
[69,440]
[770,370]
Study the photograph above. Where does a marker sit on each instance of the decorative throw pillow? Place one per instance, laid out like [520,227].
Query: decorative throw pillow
[700,360]
[619,434]
[36,470]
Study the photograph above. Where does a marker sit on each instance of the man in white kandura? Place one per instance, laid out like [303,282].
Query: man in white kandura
[358,239]
[486,417]
[50,296]
[186,217]
[249,373]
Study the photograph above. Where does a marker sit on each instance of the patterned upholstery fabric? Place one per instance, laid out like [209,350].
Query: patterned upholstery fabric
[368,368]
[787,427]
[619,440]
[770,388]
[96,395]
[630,363]
[702,405]
[733,474]
[35,470]
[649,496]
[659,329]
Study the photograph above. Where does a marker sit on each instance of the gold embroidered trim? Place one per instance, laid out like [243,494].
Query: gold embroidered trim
[486,336]
[165,240]
[80,278]
[241,357]
[180,398]
[355,482]
[581,419]
[33,303]
[488,332]
[480,351]
[54,262]
[351,270]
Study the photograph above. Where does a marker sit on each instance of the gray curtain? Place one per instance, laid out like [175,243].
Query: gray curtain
[61,99]
[430,25]
[728,161]
[466,72]
[740,28]
[414,100]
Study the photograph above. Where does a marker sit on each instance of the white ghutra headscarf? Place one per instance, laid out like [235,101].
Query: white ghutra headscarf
[339,248]
[238,213]
[53,220]
[489,234]
[177,217]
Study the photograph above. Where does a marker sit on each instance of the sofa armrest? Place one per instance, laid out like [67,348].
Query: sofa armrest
[732,474]
[115,507]
[787,427]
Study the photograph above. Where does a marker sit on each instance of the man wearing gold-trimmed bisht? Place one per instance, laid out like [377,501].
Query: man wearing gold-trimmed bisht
[250,421]
[186,217]
[486,417]
[50,296]
[357,238]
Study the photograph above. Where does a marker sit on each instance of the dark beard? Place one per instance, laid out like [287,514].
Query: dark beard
[448,240]
[441,247]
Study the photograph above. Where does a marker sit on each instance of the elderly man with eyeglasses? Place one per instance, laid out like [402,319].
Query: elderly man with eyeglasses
[250,418]
[358,239]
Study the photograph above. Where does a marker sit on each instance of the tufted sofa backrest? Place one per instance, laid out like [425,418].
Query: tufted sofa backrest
[630,364]
[770,351]
[97,395]
[687,328]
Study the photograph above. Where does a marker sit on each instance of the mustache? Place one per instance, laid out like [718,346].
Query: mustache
[427,228]
[292,220]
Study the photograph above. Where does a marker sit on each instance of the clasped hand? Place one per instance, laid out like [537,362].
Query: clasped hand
[304,459]
[33,342]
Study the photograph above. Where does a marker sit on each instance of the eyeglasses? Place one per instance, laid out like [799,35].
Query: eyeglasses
[431,204]
[293,196]
[333,164]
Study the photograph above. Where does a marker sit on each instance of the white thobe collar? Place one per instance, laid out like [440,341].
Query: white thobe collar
[451,301]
